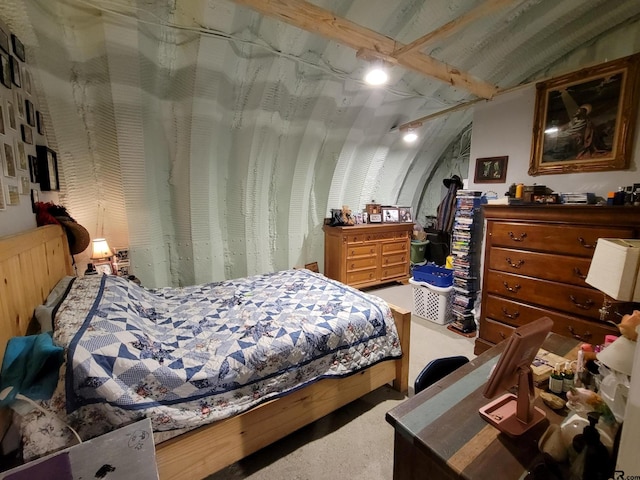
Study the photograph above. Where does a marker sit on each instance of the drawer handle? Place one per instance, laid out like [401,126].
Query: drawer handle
[513,289]
[515,265]
[586,245]
[586,337]
[578,273]
[517,239]
[502,335]
[585,306]
[513,316]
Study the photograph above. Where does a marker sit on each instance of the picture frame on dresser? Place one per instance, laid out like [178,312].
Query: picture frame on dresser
[47,168]
[390,214]
[584,121]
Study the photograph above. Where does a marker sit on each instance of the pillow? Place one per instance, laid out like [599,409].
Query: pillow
[44,313]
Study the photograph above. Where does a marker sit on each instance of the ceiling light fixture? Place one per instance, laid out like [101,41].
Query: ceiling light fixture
[409,134]
[377,74]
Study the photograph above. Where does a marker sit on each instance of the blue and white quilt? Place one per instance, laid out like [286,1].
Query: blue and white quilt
[188,356]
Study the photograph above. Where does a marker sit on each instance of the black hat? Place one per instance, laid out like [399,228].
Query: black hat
[454,179]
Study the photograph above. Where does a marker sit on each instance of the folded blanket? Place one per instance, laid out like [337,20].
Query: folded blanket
[30,367]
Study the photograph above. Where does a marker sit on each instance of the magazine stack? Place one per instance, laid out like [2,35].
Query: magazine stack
[466,242]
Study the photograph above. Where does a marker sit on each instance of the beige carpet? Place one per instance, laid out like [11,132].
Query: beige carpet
[355,442]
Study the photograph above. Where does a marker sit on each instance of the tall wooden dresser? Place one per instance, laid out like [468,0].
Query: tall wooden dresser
[369,254]
[535,263]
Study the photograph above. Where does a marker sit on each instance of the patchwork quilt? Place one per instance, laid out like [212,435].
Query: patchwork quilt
[189,356]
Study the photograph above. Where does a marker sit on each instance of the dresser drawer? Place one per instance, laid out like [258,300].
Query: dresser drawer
[515,314]
[494,332]
[361,276]
[568,239]
[558,268]
[567,298]
[394,247]
[394,259]
[394,271]
[361,250]
[361,263]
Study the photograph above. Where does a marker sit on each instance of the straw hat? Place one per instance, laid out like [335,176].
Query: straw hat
[48,213]
[77,235]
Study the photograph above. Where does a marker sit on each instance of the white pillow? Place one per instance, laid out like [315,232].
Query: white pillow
[44,313]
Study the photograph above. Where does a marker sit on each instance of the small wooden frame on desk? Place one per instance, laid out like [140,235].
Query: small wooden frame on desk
[104,268]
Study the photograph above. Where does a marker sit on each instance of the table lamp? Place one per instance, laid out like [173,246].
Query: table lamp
[614,271]
[100,249]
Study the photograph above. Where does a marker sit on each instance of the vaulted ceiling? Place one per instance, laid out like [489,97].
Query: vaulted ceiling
[213,136]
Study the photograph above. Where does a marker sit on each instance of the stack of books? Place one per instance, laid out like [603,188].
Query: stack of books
[465,246]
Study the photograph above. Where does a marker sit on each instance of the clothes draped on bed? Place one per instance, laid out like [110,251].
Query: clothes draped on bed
[188,356]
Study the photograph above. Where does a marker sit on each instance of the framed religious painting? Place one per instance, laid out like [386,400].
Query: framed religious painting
[584,121]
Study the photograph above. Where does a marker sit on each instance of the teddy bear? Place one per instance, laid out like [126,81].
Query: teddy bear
[347,218]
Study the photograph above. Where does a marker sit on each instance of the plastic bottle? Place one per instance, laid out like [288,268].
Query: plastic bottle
[555,380]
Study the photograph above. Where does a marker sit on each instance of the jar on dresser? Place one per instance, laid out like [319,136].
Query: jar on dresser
[535,263]
[368,254]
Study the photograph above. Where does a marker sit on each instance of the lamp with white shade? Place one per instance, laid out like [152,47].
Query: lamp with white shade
[100,249]
[614,270]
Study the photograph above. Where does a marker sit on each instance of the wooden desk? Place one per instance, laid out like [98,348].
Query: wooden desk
[440,435]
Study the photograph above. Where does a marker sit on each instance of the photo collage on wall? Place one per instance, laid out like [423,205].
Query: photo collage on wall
[21,126]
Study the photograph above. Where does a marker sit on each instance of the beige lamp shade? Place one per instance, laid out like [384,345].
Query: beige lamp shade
[100,249]
[614,269]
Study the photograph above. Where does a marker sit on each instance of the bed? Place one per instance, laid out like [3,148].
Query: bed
[33,262]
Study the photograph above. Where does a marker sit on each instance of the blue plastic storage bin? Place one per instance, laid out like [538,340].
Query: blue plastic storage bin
[433,275]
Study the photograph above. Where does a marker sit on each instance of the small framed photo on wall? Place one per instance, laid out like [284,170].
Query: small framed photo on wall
[18,48]
[16,78]
[4,41]
[5,70]
[47,168]
[491,170]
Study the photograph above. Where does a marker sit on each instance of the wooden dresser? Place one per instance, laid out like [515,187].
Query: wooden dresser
[367,255]
[535,262]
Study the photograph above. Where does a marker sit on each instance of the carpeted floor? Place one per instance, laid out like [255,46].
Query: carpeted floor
[355,442]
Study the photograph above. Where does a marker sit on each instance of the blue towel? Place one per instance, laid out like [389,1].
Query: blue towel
[31,367]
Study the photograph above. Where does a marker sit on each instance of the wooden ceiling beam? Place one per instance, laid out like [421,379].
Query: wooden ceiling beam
[314,19]
[453,26]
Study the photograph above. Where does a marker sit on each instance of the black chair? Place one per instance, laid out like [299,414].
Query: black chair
[436,370]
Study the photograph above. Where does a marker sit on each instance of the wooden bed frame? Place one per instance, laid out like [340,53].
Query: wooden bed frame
[31,263]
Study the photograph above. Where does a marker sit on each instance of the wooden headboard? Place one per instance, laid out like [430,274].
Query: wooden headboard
[31,263]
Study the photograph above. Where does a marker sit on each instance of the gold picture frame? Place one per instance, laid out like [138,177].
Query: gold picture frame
[584,121]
